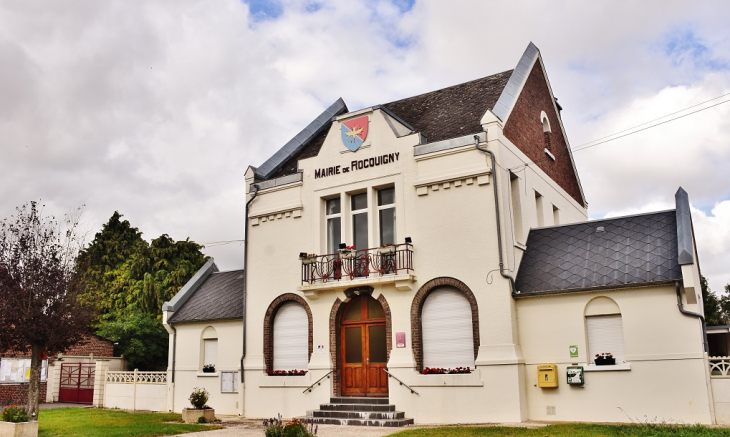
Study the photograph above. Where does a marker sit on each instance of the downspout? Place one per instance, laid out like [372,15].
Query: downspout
[174,348]
[691,314]
[496,205]
[245,277]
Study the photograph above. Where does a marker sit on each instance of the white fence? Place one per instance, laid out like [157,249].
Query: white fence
[136,390]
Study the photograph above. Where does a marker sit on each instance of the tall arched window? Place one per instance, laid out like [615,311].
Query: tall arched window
[447,330]
[291,342]
[604,329]
[546,131]
[209,349]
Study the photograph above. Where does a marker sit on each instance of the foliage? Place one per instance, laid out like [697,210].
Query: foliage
[39,288]
[128,280]
[275,427]
[14,413]
[570,429]
[209,368]
[286,372]
[199,397]
[442,370]
[717,308]
[140,337]
[202,419]
[69,422]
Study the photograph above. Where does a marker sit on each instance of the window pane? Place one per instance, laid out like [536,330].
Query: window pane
[353,345]
[333,206]
[333,235]
[386,196]
[378,348]
[359,201]
[387,226]
[375,310]
[360,230]
[353,313]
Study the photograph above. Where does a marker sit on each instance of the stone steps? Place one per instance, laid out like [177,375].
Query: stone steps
[359,412]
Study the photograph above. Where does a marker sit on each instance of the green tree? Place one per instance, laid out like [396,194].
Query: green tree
[129,280]
[715,314]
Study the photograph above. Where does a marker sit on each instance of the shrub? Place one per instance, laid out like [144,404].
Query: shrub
[201,419]
[199,397]
[296,428]
[14,413]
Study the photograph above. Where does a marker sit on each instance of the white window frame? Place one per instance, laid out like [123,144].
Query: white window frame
[354,212]
[327,218]
[290,343]
[380,207]
[604,334]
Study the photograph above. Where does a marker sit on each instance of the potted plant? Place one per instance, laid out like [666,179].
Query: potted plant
[209,368]
[16,422]
[387,248]
[349,252]
[444,371]
[604,359]
[309,258]
[200,413]
[286,372]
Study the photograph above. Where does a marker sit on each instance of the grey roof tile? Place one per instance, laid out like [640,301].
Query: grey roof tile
[633,251]
[220,297]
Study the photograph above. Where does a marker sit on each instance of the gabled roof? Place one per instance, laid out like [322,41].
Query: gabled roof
[218,297]
[623,252]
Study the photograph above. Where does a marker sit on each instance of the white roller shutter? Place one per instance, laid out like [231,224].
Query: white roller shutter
[211,352]
[605,335]
[448,338]
[291,338]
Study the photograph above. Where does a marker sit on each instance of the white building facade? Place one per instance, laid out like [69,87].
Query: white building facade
[383,266]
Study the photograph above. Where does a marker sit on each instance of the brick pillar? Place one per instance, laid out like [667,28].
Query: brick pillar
[100,382]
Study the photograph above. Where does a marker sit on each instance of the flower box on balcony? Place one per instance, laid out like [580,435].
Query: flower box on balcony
[348,253]
[386,249]
[308,259]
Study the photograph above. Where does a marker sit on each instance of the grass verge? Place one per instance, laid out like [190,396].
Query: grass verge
[64,422]
[569,429]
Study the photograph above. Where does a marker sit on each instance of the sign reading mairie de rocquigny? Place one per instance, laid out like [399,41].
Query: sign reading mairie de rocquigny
[354,132]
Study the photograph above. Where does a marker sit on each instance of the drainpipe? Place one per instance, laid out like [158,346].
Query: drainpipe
[496,205]
[691,314]
[245,276]
[174,347]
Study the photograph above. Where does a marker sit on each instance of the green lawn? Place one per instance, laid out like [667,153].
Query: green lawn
[97,422]
[572,429]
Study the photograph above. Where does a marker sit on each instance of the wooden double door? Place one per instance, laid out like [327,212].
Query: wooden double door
[364,348]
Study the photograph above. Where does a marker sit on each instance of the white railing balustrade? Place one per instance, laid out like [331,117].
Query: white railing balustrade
[136,377]
[719,367]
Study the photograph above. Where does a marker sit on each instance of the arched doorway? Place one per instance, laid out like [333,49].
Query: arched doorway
[364,348]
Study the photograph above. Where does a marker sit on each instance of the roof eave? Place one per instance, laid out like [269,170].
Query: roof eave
[518,294]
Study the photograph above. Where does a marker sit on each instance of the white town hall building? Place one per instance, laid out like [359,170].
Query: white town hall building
[430,260]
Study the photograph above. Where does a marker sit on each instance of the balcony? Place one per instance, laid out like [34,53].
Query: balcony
[352,268]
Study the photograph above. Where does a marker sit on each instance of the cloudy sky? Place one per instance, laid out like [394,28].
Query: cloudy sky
[156,108]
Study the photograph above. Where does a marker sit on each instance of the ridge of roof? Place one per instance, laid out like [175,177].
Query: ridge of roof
[511,92]
[300,140]
[605,219]
[190,287]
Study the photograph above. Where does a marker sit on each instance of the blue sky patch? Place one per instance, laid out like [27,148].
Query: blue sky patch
[264,9]
[404,5]
[683,46]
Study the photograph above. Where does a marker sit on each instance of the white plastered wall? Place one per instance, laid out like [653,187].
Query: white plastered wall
[667,376]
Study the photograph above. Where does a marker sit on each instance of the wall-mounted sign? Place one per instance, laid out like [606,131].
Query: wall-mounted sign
[354,132]
[359,164]
[400,339]
[573,349]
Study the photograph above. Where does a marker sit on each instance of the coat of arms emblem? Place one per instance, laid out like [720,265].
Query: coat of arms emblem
[354,132]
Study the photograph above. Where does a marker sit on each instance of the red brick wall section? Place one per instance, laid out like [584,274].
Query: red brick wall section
[417,306]
[524,129]
[98,346]
[18,393]
[269,326]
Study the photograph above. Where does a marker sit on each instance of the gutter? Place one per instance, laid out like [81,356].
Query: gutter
[174,348]
[245,278]
[498,216]
[691,314]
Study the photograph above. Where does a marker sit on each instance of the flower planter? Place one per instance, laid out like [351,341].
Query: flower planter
[386,249]
[348,254]
[208,370]
[20,429]
[605,361]
[309,260]
[192,415]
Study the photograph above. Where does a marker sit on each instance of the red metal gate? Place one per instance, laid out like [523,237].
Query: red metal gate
[77,383]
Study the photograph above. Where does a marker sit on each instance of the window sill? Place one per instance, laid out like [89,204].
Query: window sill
[614,368]
[207,375]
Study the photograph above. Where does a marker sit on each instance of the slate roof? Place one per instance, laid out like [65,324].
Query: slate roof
[439,115]
[220,297]
[632,251]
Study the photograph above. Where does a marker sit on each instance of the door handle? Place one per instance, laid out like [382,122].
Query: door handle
[367,360]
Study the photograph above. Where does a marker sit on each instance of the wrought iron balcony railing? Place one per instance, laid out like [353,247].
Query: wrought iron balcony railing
[354,264]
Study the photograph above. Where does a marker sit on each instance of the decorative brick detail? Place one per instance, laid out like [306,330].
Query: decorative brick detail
[18,393]
[269,326]
[524,129]
[335,352]
[417,307]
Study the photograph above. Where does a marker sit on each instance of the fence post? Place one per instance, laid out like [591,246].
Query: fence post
[100,370]
[134,392]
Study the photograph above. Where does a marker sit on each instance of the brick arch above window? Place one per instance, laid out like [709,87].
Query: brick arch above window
[269,326]
[417,307]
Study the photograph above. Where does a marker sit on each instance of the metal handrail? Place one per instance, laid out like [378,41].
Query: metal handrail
[309,389]
[351,264]
[390,375]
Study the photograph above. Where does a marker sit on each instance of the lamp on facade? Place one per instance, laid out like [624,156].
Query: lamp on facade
[408,240]
[343,246]
[302,255]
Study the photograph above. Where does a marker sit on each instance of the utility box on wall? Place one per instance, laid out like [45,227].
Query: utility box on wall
[547,375]
[575,375]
